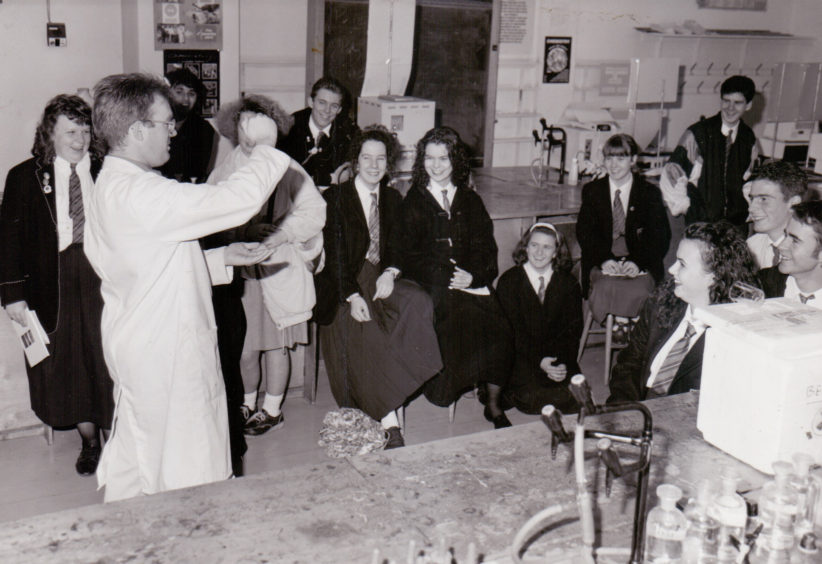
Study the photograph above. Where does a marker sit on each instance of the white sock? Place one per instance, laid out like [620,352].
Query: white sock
[272,404]
[390,420]
[250,400]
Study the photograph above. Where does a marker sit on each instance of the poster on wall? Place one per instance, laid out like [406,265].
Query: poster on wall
[753,5]
[188,24]
[557,67]
[205,65]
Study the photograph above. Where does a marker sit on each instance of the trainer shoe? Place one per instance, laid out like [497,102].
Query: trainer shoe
[261,422]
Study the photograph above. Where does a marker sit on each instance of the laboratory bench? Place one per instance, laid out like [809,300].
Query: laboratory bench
[478,488]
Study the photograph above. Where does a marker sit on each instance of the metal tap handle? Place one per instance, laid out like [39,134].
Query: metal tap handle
[581,391]
[609,457]
[552,417]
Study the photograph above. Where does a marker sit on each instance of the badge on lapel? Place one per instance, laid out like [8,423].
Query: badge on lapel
[46,186]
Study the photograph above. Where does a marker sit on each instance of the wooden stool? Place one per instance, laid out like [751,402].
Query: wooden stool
[609,341]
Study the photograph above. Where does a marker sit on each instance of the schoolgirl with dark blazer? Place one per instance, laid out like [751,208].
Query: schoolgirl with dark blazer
[546,325]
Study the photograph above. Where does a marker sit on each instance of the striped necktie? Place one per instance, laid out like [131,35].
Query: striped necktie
[373,254]
[729,142]
[76,205]
[619,247]
[446,205]
[671,364]
[541,291]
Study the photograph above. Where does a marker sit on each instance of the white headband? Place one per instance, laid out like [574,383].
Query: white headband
[546,226]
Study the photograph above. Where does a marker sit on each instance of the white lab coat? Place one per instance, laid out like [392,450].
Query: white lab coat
[159,334]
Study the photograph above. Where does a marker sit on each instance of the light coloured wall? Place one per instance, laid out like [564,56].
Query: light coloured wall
[272,50]
[604,30]
[33,73]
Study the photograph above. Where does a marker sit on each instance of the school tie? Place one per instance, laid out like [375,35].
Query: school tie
[373,254]
[319,139]
[729,141]
[76,205]
[804,299]
[619,247]
[618,215]
[775,258]
[671,364]
[446,205]
[541,291]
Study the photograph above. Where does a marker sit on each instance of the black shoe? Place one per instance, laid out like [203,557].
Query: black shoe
[86,464]
[394,438]
[500,421]
[261,422]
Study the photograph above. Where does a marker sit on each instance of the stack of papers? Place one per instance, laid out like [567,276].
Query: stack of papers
[33,338]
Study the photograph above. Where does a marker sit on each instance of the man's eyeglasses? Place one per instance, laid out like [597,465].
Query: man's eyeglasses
[170,125]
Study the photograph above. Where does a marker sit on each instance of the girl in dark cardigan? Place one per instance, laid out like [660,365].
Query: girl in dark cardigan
[448,248]
[543,303]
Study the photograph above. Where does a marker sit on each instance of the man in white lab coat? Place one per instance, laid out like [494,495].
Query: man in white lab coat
[159,336]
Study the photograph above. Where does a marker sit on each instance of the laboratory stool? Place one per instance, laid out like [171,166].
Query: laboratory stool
[610,347]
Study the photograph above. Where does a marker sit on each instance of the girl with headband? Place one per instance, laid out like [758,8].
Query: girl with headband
[543,303]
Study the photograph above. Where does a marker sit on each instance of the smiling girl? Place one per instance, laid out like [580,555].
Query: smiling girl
[543,303]
[448,248]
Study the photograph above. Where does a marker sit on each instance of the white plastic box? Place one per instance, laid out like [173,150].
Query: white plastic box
[761,392]
[407,116]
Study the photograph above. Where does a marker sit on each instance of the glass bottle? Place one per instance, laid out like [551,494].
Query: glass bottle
[807,490]
[701,538]
[807,552]
[730,510]
[665,528]
[778,507]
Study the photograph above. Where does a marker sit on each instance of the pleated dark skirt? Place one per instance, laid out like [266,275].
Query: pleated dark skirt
[72,385]
[475,343]
[375,366]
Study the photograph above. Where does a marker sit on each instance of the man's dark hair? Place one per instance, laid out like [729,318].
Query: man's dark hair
[810,213]
[791,179]
[741,84]
[188,78]
[332,84]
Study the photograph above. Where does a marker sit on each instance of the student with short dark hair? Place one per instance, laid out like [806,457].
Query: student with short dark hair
[778,186]
[321,133]
[799,273]
[715,157]
[194,147]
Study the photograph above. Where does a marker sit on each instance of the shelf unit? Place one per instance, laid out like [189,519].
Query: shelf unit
[516,111]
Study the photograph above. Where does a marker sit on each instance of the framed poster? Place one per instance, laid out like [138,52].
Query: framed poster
[188,24]
[557,65]
[205,65]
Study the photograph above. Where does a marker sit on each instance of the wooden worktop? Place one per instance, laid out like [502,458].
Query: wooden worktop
[477,488]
